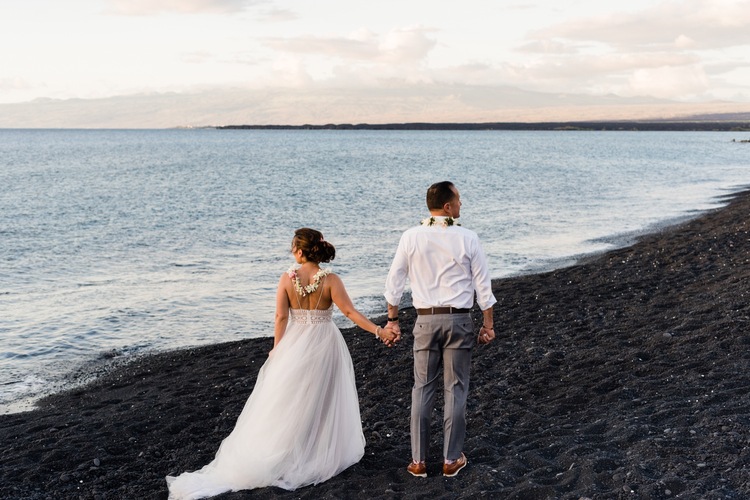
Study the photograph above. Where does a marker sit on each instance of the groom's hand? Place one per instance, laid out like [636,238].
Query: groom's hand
[486,335]
[390,337]
[396,329]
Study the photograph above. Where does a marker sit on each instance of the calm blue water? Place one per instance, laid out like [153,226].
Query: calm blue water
[134,241]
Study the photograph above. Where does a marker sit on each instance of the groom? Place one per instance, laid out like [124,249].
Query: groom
[445,266]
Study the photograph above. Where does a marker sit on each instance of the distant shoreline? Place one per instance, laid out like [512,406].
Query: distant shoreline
[656,125]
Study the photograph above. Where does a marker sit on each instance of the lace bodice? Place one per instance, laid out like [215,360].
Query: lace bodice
[311,316]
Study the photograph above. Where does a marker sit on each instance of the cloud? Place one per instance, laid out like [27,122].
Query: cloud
[290,72]
[667,81]
[277,15]
[152,7]
[13,84]
[547,47]
[662,75]
[581,73]
[595,66]
[707,24]
[523,6]
[662,51]
[406,45]
[728,66]
[360,45]
[196,57]
[684,42]
[402,45]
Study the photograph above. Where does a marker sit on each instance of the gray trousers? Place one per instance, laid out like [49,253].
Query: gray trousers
[448,338]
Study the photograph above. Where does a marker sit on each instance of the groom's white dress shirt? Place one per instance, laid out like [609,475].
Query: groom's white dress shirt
[445,266]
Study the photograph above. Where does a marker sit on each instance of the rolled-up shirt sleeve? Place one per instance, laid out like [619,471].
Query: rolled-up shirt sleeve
[481,278]
[396,280]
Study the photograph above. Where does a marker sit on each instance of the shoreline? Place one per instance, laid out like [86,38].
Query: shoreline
[89,370]
[624,375]
[735,124]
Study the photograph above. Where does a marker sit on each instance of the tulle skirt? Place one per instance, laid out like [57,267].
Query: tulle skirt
[300,426]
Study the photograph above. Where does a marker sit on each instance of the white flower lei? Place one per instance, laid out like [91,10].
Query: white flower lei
[312,286]
[444,222]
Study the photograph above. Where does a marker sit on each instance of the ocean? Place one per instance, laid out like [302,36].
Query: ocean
[115,243]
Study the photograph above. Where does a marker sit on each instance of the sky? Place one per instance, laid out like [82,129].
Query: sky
[690,51]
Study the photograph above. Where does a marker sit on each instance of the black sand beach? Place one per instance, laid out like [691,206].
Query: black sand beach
[627,376]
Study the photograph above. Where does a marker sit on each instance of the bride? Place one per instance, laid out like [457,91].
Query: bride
[301,424]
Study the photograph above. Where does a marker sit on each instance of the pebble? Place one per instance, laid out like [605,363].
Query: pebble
[97,462]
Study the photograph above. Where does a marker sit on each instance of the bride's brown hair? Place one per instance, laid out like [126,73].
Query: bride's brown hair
[313,246]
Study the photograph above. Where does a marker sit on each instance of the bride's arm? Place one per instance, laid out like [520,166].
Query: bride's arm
[282,311]
[341,298]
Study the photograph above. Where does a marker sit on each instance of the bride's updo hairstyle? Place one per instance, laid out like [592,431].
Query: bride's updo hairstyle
[313,246]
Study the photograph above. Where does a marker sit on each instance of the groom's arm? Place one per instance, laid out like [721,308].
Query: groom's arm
[394,285]
[393,321]
[392,311]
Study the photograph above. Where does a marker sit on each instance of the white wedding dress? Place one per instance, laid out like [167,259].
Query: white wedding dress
[301,424]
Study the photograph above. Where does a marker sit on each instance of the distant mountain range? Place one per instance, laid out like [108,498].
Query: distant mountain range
[405,107]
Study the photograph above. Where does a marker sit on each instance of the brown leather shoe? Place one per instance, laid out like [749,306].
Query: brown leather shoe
[450,470]
[417,469]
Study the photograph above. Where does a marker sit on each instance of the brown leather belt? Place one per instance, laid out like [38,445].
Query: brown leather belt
[442,310]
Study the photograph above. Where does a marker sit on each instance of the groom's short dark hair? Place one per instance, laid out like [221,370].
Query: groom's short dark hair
[439,194]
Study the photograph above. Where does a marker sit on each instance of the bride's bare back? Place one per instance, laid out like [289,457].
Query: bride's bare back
[320,298]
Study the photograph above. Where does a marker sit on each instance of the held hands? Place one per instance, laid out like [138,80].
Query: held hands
[389,335]
[486,335]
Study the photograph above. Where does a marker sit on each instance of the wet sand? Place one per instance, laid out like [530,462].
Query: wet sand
[626,376]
